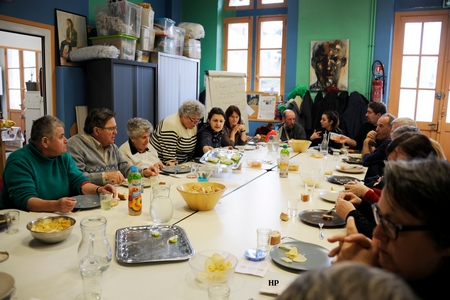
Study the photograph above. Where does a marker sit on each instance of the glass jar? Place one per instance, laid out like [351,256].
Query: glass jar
[161,208]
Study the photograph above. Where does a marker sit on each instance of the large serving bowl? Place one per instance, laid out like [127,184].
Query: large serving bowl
[215,273]
[197,197]
[312,178]
[52,235]
[299,145]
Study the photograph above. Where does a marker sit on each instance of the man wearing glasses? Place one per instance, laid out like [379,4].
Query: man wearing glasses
[95,153]
[412,238]
[175,136]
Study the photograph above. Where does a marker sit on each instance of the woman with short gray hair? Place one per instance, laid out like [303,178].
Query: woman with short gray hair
[137,150]
[175,136]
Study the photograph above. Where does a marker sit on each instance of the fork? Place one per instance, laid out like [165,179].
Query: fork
[321,235]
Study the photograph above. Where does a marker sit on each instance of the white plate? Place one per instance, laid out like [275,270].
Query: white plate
[6,284]
[350,168]
[317,256]
[330,196]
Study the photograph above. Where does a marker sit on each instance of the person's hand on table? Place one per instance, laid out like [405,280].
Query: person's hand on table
[114,177]
[358,188]
[343,207]
[207,148]
[171,163]
[159,165]
[151,171]
[354,246]
[66,204]
[108,189]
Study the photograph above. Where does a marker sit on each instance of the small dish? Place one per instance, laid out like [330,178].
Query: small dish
[346,168]
[255,254]
[254,163]
[7,283]
[330,196]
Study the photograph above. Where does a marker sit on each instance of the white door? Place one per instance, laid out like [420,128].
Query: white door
[34,109]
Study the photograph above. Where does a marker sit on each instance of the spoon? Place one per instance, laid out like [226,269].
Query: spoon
[321,235]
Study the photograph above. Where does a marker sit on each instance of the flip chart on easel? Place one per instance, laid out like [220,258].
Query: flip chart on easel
[224,89]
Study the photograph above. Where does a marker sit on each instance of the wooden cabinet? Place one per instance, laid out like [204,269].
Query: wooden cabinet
[126,87]
[178,81]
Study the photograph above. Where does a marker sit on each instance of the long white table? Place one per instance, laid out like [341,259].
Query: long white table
[254,198]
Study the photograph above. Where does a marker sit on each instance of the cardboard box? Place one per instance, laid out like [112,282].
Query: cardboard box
[192,48]
[125,44]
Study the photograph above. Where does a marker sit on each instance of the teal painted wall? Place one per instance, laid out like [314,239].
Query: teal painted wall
[345,19]
[211,18]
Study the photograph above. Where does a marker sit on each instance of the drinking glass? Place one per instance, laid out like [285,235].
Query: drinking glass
[12,221]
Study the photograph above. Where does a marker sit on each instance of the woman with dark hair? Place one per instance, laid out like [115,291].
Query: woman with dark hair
[234,128]
[210,135]
[329,123]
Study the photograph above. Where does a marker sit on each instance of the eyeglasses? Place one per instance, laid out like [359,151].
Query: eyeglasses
[193,121]
[111,129]
[392,229]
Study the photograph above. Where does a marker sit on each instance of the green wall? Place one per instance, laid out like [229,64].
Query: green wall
[211,18]
[344,19]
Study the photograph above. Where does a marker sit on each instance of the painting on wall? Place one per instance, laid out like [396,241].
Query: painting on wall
[329,65]
[72,34]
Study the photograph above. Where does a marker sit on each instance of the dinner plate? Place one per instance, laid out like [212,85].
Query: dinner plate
[316,256]
[179,169]
[352,160]
[345,168]
[6,285]
[87,201]
[341,179]
[329,196]
[314,217]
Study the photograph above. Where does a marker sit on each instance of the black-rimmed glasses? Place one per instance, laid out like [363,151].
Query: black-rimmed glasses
[111,129]
[392,229]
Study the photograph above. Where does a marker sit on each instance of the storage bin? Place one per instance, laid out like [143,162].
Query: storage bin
[164,43]
[192,48]
[147,17]
[118,18]
[147,39]
[164,26]
[125,44]
[179,34]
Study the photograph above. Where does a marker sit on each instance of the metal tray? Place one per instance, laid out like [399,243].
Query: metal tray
[137,244]
[222,155]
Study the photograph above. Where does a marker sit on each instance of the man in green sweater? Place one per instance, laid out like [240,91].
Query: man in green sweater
[42,176]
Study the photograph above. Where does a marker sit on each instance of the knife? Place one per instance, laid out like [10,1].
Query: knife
[167,174]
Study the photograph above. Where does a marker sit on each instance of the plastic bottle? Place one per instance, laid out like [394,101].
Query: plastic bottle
[134,192]
[324,145]
[284,162]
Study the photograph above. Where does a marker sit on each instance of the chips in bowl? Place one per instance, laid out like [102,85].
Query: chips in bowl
[51,229]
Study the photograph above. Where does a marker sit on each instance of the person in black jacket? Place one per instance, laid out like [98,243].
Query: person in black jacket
[210,135]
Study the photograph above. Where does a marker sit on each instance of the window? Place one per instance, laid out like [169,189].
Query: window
[21,67]
[269,62]
[238,46]
[248,4]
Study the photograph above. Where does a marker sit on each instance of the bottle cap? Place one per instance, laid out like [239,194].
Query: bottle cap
[285,146]
[134,169]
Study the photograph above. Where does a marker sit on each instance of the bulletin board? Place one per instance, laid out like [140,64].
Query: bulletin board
[263,105]
[224,89]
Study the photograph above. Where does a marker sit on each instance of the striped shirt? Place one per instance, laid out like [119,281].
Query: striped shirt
[173,141]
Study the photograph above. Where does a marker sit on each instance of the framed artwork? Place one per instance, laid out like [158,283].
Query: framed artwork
[72,34]
[329,65]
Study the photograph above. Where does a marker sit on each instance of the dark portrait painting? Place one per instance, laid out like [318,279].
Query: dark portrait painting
[329,65]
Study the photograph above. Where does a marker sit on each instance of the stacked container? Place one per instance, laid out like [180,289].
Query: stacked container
[118,24]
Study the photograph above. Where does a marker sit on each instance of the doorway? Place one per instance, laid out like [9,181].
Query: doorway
[47,35]
[421,73]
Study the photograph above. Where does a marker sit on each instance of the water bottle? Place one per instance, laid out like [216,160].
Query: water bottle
[324,145]
[284,162]
[134,192]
